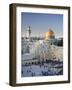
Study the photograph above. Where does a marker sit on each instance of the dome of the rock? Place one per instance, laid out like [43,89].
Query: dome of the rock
[50,34]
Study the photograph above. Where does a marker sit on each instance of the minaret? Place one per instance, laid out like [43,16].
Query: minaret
[29,33]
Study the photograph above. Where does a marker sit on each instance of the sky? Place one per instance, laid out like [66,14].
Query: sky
[40,23]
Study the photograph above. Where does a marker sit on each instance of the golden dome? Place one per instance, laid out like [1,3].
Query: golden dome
[49,34]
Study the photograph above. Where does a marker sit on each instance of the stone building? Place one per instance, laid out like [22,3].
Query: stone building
[42,50]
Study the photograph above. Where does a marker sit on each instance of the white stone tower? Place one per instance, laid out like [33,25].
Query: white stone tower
[29,33]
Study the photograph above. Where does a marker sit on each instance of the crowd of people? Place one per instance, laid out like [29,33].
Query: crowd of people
[42,69]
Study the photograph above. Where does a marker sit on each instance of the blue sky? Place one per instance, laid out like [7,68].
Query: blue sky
[41,22]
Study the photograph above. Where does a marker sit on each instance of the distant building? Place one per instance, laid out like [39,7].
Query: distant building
[28,34]
[50,34]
